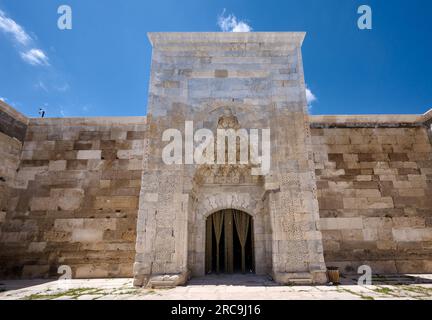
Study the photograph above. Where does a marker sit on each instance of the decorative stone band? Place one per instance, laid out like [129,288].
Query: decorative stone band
[12,123]
[371,121]
[164,38]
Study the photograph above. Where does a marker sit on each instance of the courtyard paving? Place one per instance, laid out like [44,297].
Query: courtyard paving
[237,287]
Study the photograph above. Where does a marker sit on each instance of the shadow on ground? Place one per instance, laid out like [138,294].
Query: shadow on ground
[248,280]
[8,285]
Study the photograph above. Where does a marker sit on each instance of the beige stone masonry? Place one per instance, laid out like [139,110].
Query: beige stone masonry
[93,193]
[77,201]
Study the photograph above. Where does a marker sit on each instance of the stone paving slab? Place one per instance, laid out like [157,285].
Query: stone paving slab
[418,287]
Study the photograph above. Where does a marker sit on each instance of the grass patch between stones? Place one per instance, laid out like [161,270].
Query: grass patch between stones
[74,293]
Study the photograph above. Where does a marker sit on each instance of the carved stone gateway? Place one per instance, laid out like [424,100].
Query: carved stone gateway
[228,80]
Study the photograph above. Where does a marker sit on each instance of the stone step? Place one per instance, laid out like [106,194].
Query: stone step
[300,281]
[300,278]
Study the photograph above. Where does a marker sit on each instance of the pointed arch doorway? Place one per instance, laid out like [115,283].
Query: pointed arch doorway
[229,243]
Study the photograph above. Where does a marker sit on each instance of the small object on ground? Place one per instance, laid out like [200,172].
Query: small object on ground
[333,275]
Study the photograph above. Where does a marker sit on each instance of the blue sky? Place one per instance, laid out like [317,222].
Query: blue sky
[101,67]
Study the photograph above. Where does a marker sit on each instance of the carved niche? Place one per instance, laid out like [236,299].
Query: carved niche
[230,174]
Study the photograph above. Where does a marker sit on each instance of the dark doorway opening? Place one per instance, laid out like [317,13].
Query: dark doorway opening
[229,243]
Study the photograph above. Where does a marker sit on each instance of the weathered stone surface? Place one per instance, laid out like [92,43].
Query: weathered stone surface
[382,181]
[351,189]
[73,206]
[12,123]
[261,87]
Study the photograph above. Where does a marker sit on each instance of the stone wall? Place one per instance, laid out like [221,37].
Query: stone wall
[10,151]
[231,80]
[79,183]
[13,127]
[374,189]
[69,191]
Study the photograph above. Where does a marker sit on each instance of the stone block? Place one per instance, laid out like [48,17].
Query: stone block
[67,199]
[170,84]
[370,234]
[386,245]
[91,271]
[412,192]
[409,266]
[42,204]
[89,154]
[35,271]
[87,235]
[409,222]
[57,236]
[352,235]
[68,224]
[117,202]
[37,247]
[340,223]
[329,203]
[382,267]
[105,184]
[13,237]
[221,73]
[135,164]
[368,193]
[118,134]
[407,234]
[330,245]
[100,224]
[57,165]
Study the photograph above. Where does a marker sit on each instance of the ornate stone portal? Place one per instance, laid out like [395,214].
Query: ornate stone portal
[228,80]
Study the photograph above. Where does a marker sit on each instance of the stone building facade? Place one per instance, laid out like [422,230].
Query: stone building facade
[96,195]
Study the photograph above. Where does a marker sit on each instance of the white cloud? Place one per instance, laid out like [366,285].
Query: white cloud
[47,87]
[3,99]
[230,23]
[9,26]
[63,88]
[41,85]
[310,97]
[23,40]
[242,27]
[35,57]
